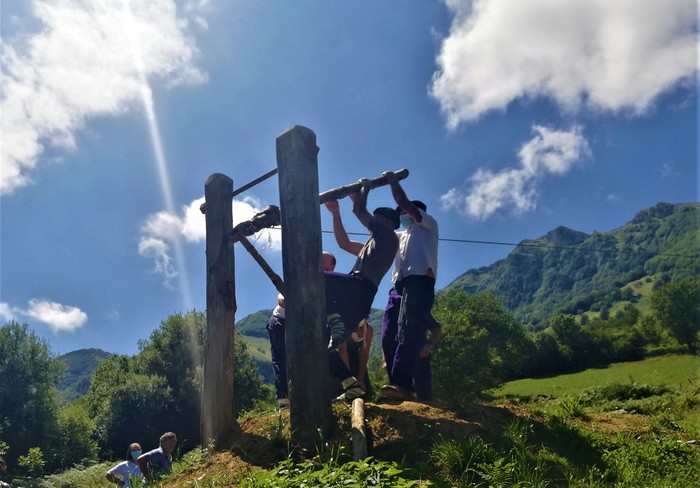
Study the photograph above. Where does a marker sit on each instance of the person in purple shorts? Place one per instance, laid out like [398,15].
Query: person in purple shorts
[408,313]
[422,372]
[349,296]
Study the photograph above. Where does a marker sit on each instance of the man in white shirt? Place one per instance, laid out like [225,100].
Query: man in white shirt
[408,314]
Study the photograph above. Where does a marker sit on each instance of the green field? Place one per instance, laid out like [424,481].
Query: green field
[681,372]
[258,347]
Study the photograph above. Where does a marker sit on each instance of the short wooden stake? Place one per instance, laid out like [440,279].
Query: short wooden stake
[359,439]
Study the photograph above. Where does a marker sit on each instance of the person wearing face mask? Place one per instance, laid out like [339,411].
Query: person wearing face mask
[407,317]
[126,472]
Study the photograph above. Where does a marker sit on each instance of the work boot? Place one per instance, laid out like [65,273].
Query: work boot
[396,392]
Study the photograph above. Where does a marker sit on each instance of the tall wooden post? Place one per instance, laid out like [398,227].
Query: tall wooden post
[307,356]
[217,388]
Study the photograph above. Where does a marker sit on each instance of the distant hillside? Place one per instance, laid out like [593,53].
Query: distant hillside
[80,366]
[254,324]
[567,271]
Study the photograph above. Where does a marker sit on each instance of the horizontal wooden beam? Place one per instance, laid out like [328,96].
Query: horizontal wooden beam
[344,191]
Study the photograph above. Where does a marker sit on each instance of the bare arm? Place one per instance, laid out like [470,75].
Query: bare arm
[341,235]
[113,479]
[364,356]
[359,206]
[400,197]
[435,335]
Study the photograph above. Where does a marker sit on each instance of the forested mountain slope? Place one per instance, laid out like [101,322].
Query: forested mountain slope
[80,366]
[567,271]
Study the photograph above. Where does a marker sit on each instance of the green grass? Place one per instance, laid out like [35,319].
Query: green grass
[558,445]
[258,348]
[676,371]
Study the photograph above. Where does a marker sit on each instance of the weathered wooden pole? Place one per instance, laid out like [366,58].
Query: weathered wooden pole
[344,191]
[217,388]
[307,356]
[359,438]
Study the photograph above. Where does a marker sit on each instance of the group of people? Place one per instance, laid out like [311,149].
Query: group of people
[140,468]
[409,330]
[137,470]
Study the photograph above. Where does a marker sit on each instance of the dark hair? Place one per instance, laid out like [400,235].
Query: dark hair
[390,214]
[416,203]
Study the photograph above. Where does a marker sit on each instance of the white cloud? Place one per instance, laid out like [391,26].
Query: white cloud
[58,317]
[6,313]
[549,152]
[90,58]
[160,230]
[605,55]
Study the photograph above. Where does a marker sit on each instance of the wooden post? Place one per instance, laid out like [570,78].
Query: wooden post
[359,439]
[217,388]
[307,356]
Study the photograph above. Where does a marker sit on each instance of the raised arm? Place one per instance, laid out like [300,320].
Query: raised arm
[341,236]
[400,197]
[359,206]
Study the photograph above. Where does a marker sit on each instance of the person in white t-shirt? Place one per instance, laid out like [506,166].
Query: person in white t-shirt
[408,315]
[127,471]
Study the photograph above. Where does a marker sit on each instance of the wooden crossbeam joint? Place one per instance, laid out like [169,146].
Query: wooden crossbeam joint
[269,217]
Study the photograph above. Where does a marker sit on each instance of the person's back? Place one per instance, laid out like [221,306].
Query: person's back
[157,463]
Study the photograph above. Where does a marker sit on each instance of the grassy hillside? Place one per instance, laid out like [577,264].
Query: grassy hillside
[566,271]
[680,372]
[593,435]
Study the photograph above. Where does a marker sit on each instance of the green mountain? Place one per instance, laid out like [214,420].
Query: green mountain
[254,324]
[80,366]
[567,271]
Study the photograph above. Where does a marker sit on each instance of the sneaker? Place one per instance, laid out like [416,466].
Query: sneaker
[396,392]
[282,404]
[351,394]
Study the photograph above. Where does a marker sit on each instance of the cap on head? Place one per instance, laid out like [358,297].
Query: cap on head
[390,214]
[417,203]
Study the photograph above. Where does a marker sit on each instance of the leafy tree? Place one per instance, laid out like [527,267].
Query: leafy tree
[28,395]
[137,399]
[75,436]
[175,353]
[128,406]
[481,345]
[677,307]
[33,463]
[572,340]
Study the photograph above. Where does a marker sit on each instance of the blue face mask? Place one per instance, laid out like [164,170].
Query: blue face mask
[406,221]
[135,454]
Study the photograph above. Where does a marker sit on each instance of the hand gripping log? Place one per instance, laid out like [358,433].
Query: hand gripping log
[344,191]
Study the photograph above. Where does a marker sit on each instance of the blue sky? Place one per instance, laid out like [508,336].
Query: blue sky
[512,117]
